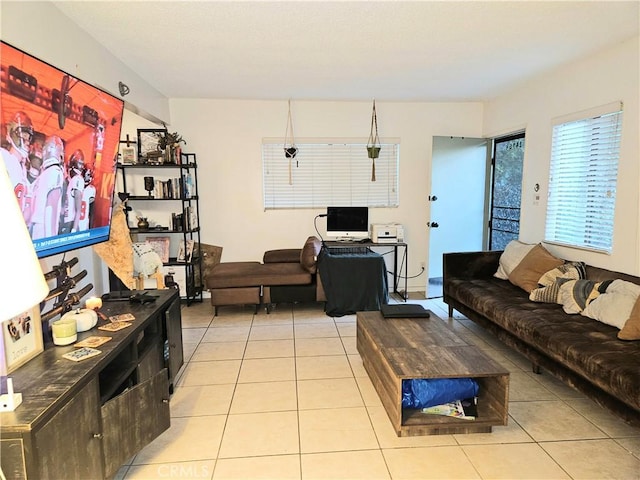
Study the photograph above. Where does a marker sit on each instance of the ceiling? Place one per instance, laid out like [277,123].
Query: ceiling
[350,50]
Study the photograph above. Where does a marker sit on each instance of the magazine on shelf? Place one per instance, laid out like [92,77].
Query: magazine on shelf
[464,409]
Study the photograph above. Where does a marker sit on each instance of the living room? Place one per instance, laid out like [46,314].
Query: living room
[227,134]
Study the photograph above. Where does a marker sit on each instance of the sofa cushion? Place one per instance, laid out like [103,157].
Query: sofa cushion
[535,263]
[309,254]
[513,253]
[631,329]
[234,274]
[284,274]
[283,255]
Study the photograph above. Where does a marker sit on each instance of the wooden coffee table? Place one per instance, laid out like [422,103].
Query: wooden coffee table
[396,349]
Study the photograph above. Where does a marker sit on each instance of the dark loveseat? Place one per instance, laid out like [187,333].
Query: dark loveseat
[582,352]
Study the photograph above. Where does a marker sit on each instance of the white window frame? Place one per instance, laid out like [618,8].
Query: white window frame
[583,177]
[329,172]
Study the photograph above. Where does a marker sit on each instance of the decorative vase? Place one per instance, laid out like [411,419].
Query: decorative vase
[143,223]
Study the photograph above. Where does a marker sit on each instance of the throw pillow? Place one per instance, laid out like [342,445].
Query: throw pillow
[548,292]
[575,295]
[309,254]
[611,308]
[614,306]
[513,253]
[572,270]
[631,329]
[532,267]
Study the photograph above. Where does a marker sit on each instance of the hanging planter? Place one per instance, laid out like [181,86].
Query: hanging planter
[291,150]
[373,144]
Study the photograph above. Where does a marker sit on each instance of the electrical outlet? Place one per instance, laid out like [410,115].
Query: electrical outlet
[423,265]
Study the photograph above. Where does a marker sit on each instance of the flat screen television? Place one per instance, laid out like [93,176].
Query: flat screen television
[347,223]
[59,142]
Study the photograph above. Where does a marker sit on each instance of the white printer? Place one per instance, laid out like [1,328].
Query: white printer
[386,233]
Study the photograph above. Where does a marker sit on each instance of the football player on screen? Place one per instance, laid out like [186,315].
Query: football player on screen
[88,199]
[19,135]
[72,202]
[47,190]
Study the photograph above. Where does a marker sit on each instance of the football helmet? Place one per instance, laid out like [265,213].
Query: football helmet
[35,160]
[88,176]
[75,165]
[20,133]
[52,151]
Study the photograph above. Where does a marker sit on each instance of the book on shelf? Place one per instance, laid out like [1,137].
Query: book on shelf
[464,409]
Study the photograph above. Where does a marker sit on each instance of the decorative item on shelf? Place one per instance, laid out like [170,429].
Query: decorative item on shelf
[143,223]
[373,144]
[23,286]
[128,152]
[161,246]
[290,149]
[65,331]
[169,143]
[149,185]
[149,150]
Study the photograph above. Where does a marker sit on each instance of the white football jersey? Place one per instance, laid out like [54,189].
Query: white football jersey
[88,197]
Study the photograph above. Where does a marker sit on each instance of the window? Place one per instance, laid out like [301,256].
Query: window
[324,174]
[582,181]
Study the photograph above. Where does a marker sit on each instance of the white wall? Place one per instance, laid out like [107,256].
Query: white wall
[610,76]
[227,136]
[40,29]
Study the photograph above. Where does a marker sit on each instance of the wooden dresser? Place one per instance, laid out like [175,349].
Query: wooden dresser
[83,420]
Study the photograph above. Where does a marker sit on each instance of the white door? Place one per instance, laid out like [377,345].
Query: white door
[457,214]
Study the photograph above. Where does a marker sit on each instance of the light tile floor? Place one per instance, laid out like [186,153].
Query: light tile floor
[285,396]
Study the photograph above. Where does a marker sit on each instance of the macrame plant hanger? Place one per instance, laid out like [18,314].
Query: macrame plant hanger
[290,151]
[373,145]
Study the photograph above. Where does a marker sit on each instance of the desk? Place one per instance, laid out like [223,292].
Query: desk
[397,274]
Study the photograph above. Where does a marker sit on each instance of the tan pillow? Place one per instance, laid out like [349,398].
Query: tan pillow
[631,329]
[535,263]
[309,254]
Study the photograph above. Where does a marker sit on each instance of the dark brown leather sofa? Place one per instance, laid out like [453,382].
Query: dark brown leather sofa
[582,352]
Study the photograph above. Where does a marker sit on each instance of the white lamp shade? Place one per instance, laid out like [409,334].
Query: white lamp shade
[22,283]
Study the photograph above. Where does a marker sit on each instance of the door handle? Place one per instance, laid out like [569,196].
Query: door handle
[432,224]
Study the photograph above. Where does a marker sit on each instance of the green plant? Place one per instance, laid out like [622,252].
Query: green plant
[166,139]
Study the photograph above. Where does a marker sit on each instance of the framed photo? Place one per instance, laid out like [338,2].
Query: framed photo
[128,155]
[185,252]
[22,338]
[148,148]
[161,246]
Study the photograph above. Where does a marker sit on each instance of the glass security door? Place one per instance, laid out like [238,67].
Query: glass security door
[504,224]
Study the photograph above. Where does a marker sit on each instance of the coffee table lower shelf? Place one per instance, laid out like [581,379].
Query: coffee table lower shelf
[390,355]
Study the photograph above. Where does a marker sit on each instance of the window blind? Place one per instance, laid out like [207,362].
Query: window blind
[325,174]
[582,182]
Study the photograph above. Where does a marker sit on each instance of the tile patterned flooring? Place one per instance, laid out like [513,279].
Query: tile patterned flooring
[285,396]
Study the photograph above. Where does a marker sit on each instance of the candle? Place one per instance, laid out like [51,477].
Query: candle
[93,303]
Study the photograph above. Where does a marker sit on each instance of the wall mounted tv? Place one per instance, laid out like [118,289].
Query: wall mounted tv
[59,142]
[347,223]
